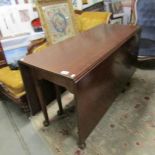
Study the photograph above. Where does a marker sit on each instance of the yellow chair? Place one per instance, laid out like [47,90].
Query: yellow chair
[11,83]
[88,20]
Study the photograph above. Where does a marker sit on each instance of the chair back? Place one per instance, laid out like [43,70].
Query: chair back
[88,20]
[37,46]
[84,21]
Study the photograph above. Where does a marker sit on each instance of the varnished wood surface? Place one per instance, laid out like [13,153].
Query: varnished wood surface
[87,50]
[102,61]
[96,91]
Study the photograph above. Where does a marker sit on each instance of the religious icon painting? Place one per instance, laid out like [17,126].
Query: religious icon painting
[57,21]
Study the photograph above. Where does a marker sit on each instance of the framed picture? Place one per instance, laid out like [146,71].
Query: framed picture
[57,19]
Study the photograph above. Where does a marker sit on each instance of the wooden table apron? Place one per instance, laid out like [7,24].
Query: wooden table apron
[94,90]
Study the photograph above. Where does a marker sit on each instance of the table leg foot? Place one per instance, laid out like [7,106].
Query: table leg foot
[58,96]
[128,84]
[71,109]
[82,145]
[126,87]
[59,112]
[46,123]
[123,90]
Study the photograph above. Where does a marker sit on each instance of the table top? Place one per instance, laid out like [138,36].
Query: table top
[76,56]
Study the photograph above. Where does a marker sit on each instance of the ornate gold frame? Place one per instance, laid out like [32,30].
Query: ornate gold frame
[43,6]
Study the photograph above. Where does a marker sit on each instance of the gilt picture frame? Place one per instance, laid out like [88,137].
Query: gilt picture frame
[57,19]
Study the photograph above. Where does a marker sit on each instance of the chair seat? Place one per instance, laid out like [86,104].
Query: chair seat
[11,81]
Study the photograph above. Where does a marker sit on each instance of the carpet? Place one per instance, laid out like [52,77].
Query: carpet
[127,128]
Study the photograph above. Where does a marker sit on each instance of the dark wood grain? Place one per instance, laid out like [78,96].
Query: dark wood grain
[101,60]
[87,49]
[96,91]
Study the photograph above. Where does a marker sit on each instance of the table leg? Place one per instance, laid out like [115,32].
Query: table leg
[82,145]
[58,96]
[42,102]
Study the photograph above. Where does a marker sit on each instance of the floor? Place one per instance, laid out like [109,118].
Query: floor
[17,135]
